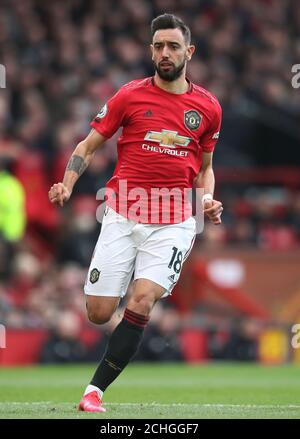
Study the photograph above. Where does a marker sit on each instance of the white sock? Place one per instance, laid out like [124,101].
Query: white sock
[91,388]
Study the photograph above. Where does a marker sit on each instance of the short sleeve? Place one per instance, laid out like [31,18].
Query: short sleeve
[112,115]
[210,137]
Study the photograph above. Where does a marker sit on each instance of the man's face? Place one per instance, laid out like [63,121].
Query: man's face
[170,53]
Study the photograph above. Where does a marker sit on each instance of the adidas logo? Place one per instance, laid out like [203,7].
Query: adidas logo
[172,278]
[148,113]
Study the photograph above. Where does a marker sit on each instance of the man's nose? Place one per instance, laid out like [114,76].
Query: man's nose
[165,52]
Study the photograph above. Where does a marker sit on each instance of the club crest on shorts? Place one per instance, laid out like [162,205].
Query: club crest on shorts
[94,275]
[192,119]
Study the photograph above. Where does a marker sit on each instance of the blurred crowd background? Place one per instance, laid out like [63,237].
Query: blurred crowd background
[63,60]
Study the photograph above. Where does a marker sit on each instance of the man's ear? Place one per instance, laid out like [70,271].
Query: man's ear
[151,48]
[190,52]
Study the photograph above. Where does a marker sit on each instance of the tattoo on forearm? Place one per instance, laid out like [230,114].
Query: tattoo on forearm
[77,164]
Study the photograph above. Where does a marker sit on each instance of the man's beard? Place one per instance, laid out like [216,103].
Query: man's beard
[172,74]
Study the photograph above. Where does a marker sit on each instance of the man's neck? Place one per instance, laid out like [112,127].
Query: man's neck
[179,86]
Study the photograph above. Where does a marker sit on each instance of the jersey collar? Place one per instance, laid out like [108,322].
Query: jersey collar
[190,89]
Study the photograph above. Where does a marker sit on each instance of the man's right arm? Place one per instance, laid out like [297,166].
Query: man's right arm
[79,161]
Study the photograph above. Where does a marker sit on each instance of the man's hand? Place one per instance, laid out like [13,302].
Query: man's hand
[59,193]
[213,210]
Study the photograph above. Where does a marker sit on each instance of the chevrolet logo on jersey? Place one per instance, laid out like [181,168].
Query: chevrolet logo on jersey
[167,138]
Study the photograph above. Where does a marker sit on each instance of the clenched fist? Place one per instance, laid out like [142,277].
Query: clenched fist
[59,193]
[213,210]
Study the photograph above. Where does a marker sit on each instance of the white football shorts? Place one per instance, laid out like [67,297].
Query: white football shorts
[149,251]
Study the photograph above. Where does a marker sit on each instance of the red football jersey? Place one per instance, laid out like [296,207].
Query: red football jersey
[160,148]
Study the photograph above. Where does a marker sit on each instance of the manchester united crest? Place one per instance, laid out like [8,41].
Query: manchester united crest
[192,119]
[94,275]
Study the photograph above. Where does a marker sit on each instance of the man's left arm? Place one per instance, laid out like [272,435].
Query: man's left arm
[206,181]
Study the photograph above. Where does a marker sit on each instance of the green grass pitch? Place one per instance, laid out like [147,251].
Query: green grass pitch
[154,391]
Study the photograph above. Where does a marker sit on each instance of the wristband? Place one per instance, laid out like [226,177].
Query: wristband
[207,197]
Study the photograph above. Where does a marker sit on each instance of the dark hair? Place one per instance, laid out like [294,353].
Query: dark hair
[170,21]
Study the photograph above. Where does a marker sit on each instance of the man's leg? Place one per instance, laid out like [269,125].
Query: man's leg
[101,308]
[127,336]
[107,281]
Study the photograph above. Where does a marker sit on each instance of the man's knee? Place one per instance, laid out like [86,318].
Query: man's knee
[100,310]
[145,295]
[98,316]
[142,303]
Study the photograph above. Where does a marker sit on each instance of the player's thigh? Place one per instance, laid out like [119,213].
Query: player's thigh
[113,260]
[161,257]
